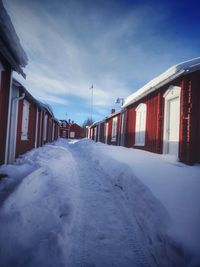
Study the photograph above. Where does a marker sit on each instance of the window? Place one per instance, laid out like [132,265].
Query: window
[114,129]
[25,120]
[64,124]
[45,128]
[140,127]
[72,134]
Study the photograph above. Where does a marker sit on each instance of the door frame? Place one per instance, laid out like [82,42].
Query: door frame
[172,93]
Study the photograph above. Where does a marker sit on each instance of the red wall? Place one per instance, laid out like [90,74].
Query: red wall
[189,149]
[189,144]
[102,137]
[4,100]
[109,121]
[130,127]
[77,129]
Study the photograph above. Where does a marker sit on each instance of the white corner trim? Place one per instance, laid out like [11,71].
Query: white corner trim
[141,106]
[172,93]
[8,119]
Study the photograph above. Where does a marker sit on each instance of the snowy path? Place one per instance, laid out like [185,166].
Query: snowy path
[107,234]
[78,208]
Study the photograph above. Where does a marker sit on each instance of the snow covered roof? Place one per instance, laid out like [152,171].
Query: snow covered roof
[10,46]
[95,123]
[43,106]
[167,76]
[113,114]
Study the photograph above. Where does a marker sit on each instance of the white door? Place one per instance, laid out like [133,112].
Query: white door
[173,125]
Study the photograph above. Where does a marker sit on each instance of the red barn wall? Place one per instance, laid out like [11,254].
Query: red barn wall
[130,127]
[102,137]
[4,100]
[78,131]
[110,129]
[189,150]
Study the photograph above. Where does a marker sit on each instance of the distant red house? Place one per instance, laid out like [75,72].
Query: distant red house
[162,117]
[76,131]
[64,129]
[107,130]
[69,129]
[12,58]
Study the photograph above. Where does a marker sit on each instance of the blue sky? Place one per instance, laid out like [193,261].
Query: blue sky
[117,46]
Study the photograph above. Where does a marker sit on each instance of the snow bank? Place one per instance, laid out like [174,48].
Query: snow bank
[175,185]
[61,194]
[37,218]
[165,77]
[151,216]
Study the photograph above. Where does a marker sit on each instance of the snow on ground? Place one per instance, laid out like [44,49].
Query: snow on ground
[175,184]
[82,203]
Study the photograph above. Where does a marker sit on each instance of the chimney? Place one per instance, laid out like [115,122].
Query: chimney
[112,110]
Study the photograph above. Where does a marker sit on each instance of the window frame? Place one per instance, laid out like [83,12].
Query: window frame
[25,120]
[114,129]
[140,124]
[45,127]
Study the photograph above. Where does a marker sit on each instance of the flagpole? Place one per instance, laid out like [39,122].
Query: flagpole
[91,101]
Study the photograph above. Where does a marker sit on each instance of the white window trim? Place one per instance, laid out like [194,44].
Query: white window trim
[122,132]
[172,93]
[114,129]
[72,134]
[140,108]
[45,127]
[25,120]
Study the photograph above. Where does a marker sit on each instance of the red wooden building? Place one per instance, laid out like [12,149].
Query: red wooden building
[107,131]
[70,130]
[64,129]
[164,115]
[31,124]
[12,58]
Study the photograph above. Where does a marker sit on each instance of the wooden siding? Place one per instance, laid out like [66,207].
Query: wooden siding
[102,137]
[189,132]
[4,103]
[130,127]
[77,130]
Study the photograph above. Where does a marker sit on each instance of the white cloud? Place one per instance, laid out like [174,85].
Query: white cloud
[71,44]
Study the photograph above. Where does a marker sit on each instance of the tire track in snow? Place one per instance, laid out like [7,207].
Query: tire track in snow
[129,252]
